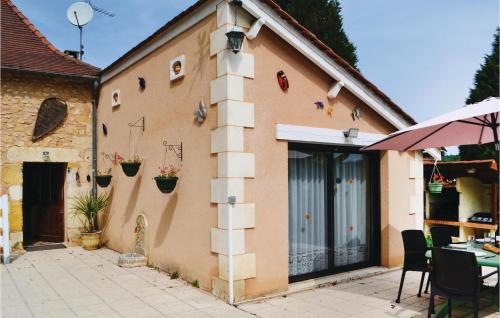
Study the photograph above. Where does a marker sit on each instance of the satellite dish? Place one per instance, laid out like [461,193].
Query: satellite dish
[79,13]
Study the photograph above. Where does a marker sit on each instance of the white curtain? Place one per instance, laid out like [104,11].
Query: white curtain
[351,223]
[308,245]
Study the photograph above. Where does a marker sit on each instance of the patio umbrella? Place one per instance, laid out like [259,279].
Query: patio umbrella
[473,124]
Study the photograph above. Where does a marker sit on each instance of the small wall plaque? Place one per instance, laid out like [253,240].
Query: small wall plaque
[116,98]
[177,67]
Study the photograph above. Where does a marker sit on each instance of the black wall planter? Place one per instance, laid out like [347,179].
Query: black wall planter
[103,181]
[130,168]
[166,185]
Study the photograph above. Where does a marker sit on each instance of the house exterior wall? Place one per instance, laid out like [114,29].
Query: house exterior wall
[22,95]
[234,152]
[269,189]
[179,223]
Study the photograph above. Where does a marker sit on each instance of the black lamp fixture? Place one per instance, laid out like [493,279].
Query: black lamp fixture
[236,35]
[351,133]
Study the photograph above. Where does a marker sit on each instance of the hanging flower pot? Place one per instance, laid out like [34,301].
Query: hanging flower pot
[435,187]
[167,179]
[436,181]
[166,184]
[103,180]
[131,167]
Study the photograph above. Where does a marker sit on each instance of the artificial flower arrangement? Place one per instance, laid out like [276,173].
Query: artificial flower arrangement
[103,179]
[130,167]
[167,179]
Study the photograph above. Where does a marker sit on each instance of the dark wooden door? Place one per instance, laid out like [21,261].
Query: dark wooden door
[43,201]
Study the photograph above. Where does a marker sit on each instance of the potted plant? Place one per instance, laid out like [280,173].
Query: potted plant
[131,167]
[436,184]
[167,179]
[86,207]
[103,179]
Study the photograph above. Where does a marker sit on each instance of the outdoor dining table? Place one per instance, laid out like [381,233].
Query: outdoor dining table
[488,259]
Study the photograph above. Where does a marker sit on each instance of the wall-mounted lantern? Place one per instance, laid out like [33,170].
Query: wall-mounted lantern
[236,35]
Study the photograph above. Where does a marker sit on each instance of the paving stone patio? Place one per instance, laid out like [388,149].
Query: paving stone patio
[368,297]
[76,283]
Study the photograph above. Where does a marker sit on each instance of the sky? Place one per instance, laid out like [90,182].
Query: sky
[422,54]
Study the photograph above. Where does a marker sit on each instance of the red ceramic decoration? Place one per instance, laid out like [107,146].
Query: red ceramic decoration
[282,80]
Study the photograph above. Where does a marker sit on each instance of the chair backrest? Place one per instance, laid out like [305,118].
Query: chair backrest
[454,272]
[415,247]
[441,236]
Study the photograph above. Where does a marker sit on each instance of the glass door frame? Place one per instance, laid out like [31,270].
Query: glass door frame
[373,203]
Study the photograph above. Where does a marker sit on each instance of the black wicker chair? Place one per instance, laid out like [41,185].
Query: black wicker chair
[415,247]
[455,275]
[441,236]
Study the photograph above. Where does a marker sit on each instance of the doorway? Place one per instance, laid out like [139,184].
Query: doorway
[333,210]
[43,202]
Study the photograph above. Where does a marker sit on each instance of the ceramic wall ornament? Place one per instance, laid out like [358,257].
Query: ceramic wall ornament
[104,129]
[201,113]
[329,111]
[319,104]
[356,113]
[177,68]
[282,80]
[142,83]
[116,98]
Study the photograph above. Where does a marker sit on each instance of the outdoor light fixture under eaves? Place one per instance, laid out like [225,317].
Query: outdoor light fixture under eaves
[236,35]
[351,133]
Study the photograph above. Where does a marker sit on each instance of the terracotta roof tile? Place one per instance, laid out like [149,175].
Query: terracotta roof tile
[23,47]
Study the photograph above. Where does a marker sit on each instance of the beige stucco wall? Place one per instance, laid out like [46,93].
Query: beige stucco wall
[22,95]
[179,223]
[269,189]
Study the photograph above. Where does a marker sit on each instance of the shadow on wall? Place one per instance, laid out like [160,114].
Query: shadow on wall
[166,220]
[105,216]
[132,200]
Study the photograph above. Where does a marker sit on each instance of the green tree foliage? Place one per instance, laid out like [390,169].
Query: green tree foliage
[486,84]
[324,19]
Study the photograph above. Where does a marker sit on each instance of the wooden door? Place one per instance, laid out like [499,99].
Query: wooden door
[43,201]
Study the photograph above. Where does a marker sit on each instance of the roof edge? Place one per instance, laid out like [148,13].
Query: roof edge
[43,39]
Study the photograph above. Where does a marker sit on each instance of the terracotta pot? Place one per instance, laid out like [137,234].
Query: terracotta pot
[90,240]
[103,180]
[130,168]
[166,185]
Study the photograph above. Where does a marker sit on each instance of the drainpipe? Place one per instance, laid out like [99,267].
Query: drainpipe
[95,99]
[231,200]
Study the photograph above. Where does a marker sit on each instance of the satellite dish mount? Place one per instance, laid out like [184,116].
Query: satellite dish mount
[79,14]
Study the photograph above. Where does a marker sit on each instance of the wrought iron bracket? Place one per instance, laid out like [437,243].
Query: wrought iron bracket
[177,149]
[140,123]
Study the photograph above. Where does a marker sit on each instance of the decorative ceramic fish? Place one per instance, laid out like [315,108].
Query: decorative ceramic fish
[356,113]
[142,83]
[329,111]
[282,80]
[104,129]
[319,104]
[201,113]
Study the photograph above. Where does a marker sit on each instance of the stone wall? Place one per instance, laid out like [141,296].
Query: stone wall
[22,95]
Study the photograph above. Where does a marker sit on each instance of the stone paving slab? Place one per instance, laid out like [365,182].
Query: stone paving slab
[368,297]
[77,283]
[73,282]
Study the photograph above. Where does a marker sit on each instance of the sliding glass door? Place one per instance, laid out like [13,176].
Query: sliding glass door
[333,210]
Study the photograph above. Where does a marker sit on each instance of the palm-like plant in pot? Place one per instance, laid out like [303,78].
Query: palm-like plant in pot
[87,207]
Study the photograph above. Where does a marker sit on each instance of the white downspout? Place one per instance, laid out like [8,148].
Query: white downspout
[231,200]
